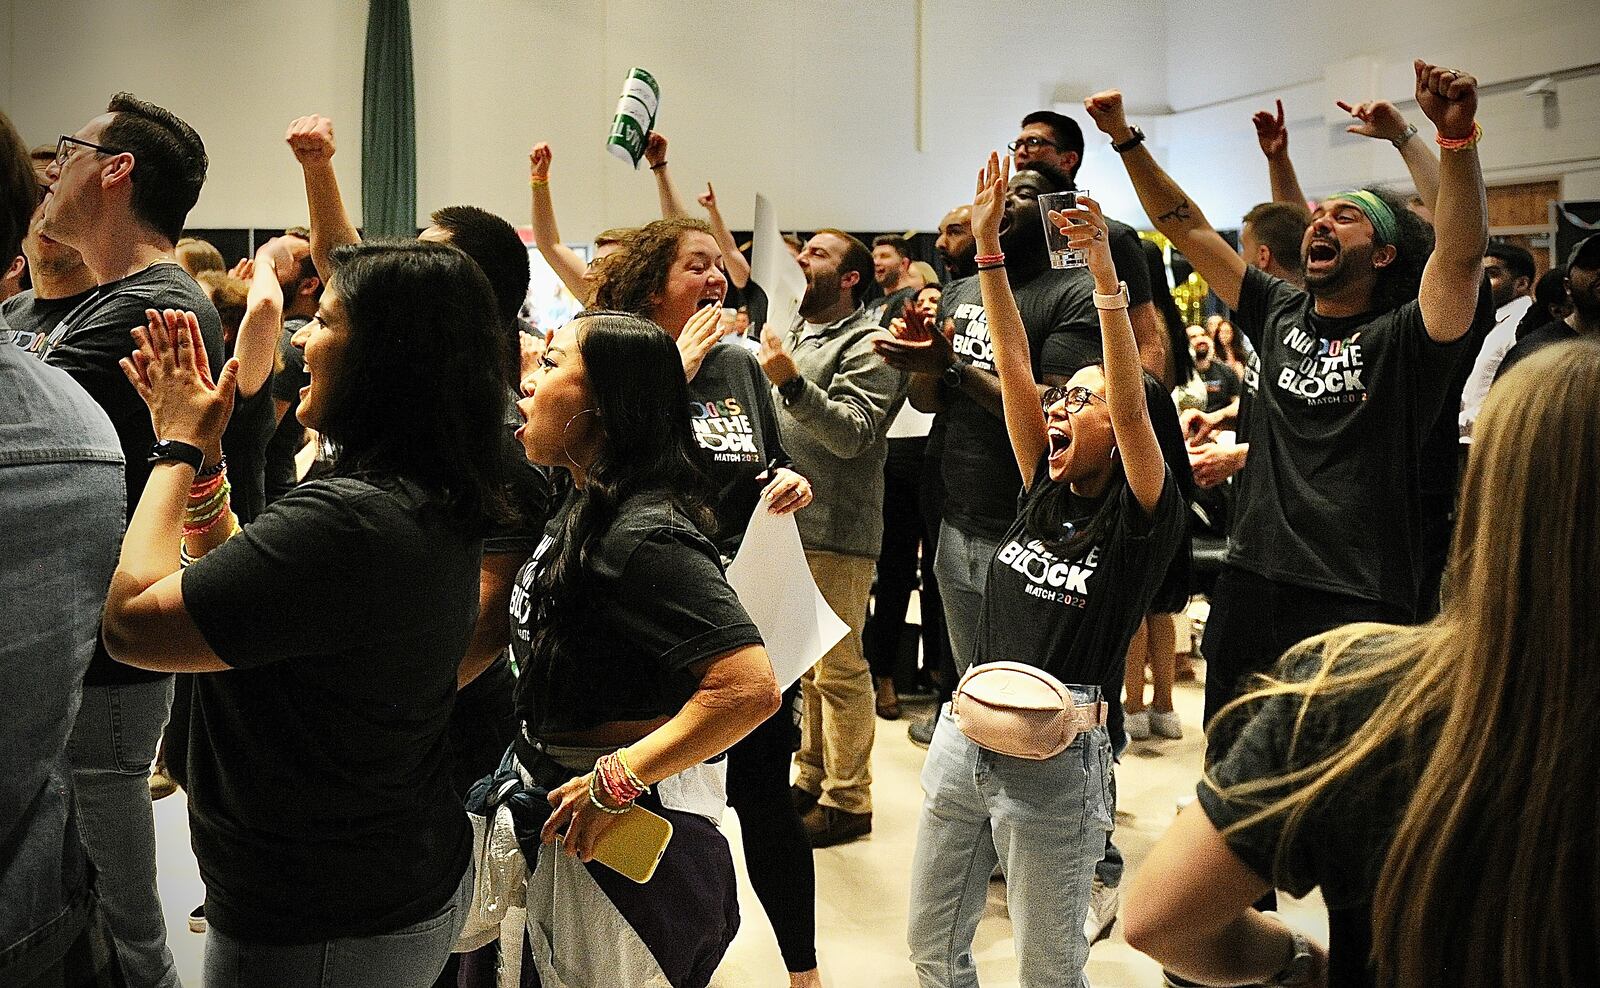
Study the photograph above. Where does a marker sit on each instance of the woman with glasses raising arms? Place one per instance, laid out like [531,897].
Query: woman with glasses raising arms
[1027,783]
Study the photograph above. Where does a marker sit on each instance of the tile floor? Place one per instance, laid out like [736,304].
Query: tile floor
[862,891]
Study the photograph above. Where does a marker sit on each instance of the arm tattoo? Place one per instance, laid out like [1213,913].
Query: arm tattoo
[1178,212]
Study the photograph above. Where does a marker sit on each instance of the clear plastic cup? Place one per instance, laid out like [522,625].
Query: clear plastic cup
[1061,256]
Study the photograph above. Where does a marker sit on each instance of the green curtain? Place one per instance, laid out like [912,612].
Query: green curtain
[388,124]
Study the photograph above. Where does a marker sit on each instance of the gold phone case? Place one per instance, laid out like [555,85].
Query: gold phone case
[635,843]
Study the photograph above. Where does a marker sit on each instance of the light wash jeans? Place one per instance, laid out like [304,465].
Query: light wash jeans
[112,745]
[1044,821]
[410,957]
[961,565]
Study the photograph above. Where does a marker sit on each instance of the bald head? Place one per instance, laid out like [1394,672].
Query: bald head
[956,245]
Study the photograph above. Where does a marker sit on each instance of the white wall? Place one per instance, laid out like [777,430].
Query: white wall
[812,103]
[1226,60]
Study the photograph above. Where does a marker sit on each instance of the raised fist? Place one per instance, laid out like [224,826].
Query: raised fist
[1271,132]
[655,150]
[1449,97]
[1105,108]
[539,162]
[311,139]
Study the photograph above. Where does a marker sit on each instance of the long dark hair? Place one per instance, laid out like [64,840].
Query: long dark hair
[422,391]
[635,376]
[1051,517]
[1400,282]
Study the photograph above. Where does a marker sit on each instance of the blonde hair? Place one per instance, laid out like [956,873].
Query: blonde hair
[924,270]
[230,295]
[1491,875]
[196,256]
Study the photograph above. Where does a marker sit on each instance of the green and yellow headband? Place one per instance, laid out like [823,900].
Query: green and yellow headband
[1376,211]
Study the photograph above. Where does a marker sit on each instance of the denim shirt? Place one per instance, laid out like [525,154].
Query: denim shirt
[61,523]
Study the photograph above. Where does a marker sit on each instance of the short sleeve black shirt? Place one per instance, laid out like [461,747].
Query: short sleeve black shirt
[654,602]
[1072,613]
[1222,385]
[1551,332]
[888,308]
[1331,495]
[320,794]
[735,423]
[1341,844]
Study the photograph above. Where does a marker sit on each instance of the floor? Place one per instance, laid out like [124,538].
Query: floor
[862,893]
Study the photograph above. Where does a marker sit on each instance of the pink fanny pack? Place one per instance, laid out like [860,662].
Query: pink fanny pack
[1012,708]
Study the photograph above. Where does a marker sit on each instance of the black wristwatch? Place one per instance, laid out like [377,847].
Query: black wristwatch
[172,449]
[792,389]
[953,375]
[1136,139]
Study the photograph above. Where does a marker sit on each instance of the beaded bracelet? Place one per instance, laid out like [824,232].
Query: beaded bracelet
[208,525]
[205,488]
[600,804]
[1460,143]
[184,559]
[990,259]
[622,760]
[212,470]
[616,783]
[211,505]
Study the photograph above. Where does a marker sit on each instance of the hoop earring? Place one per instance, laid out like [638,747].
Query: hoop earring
[564,451]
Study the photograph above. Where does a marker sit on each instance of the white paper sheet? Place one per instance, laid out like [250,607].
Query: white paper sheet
[774,584]
[775,269]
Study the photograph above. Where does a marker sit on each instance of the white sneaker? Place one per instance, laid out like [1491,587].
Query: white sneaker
[1165,724]
[1137,725]
[1102,913]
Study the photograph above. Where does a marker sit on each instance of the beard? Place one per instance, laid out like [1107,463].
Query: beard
[822,291]
[1587,304]
[1024,237]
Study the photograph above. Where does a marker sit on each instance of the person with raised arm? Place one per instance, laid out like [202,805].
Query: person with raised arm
[733,260]
[1354,371]
[321,759]
[574,272]
[1098,523]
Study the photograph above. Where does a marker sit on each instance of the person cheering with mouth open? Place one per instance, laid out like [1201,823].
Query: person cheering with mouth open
[1098,522]
[1354,370]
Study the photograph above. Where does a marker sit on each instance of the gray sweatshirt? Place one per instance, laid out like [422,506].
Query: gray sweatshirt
[834,432]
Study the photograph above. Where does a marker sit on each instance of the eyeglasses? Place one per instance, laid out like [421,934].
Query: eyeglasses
[64,148]
[1076,398]
[1031,143]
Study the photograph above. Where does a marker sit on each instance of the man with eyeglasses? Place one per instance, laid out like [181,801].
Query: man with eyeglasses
[120,190]
[1051,140]
[60,279]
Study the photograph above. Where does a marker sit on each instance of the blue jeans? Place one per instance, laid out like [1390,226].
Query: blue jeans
[1044,821]
[411,957]
[112,745]
[961,565]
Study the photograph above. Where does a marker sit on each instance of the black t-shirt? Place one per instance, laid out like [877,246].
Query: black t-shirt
[289,376]
[890,306]
[1331,497]
[32,318]
[654,602]
[1074,614]
[87,342]
[320,797]
[1222,385]
[734,422]
[981,478]
[1551,332]
[1345,836]
[244,442]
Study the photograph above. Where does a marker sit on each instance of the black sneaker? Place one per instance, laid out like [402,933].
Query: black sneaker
[197,919]
[921,732]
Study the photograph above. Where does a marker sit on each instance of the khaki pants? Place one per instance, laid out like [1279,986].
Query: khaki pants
[835,757]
